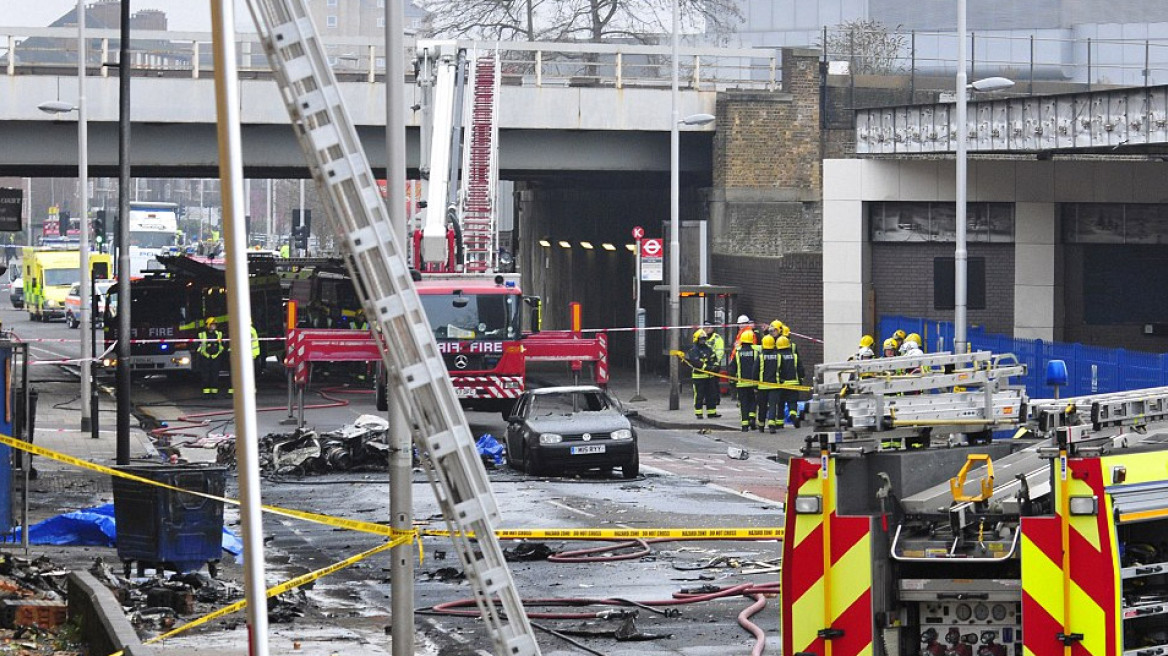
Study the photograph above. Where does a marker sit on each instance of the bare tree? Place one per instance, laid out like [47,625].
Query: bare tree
[594,21]
[870,47]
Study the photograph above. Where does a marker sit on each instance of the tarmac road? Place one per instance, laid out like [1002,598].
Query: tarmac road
[687,481]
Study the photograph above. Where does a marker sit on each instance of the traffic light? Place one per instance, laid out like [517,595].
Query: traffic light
[301,228]
[99,228]
[63,223]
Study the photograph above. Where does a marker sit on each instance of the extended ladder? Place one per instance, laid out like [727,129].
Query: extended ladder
[415,369]
[1093,413]
[480,169]
[965,393]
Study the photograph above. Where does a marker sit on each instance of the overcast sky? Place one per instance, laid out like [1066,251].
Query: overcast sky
[182,15]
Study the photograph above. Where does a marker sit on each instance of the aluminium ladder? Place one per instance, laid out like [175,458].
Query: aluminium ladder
[480,169]
[415,369]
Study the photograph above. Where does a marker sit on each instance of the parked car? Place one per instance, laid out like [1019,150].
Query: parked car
[73,303]
[16,293]
[555,429]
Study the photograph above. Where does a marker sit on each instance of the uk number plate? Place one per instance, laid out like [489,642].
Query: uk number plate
[591,448]
[464,391]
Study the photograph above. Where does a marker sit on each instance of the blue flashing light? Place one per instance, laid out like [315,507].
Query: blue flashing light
[164,347]
[510,283]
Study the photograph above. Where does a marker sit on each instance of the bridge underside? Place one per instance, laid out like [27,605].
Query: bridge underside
[49,149]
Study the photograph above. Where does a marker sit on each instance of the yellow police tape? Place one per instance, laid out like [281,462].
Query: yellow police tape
[630,533]
[734,379]
[277,590]
[338,522]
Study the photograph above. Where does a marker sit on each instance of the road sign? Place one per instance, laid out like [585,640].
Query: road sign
[638,233]
[652,248]
[652,260]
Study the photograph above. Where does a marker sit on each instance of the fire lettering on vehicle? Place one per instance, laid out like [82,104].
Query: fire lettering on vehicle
[161,332]
[470,347]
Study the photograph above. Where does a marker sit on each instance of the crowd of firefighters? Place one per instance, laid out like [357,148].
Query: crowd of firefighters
[764,369]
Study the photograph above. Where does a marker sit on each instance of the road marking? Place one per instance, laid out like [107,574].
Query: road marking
[567,507]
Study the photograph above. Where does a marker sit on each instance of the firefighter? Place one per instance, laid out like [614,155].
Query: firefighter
[746,379]
[210,354]
[701,359]
[768,393]
[744,326]
[912,346]
[890,347]
[718,345]
[898,338]
[256,353]
[790,373]
[865,352]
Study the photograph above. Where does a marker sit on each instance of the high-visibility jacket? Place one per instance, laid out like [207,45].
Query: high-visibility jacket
[790,371]
[718,346]
[210,344]
[768,367]
[701,358]
[255,343]
[746,365]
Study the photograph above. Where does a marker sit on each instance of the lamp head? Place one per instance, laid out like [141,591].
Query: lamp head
[991,84]
[56,107]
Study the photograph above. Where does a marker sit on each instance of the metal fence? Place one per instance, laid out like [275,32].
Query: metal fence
[1027,57]
[1090,369]
[53,51]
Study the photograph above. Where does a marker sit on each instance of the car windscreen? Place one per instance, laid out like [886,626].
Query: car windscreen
[566,403]
[58,277]
[473,316]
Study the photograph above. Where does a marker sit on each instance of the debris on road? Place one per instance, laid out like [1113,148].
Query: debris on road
[360,446]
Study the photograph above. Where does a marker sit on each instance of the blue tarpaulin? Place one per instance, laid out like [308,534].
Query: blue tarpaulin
[92,527]
[489,447]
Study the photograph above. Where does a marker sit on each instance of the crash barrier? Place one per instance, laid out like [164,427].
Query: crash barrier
[1090,369]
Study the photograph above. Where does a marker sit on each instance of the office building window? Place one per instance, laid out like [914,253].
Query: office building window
[330,21]
[331,3]
[944,284]
[381,21]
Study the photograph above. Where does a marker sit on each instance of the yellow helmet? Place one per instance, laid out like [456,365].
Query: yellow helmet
[890,344]
[782,342]
[747,337]
[866,341]
[786,330]
[699,334]
[899,334]
[768,341]
[777,325]
[913,337]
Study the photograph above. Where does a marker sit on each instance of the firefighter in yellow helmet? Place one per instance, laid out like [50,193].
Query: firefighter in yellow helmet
[746,379]
[790,373]
[889,348]
[865,352]
[768,391]
[703,362]
[912,345]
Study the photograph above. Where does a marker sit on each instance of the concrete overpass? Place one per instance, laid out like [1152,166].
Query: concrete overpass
[556,114]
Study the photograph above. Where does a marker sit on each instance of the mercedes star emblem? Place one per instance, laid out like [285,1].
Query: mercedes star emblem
[461,361]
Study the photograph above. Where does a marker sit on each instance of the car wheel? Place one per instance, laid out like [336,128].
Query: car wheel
[632,468]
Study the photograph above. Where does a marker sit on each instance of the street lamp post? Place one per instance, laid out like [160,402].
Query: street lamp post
[961,254]
[675,123]
[88,408]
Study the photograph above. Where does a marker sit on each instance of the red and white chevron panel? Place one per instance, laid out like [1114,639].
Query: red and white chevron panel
[488,387]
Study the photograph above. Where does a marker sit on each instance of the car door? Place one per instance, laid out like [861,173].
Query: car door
[515,428]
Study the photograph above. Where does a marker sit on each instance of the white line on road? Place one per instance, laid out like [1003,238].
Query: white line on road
[567,507]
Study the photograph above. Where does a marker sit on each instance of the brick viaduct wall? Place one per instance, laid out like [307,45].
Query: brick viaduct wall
[765,205]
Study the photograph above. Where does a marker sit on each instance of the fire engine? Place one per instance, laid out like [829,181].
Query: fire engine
[475,309]
[910,530]
[170,306]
